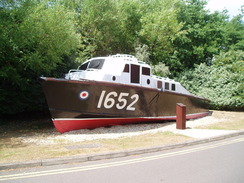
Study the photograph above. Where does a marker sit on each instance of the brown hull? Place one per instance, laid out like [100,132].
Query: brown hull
[91,104]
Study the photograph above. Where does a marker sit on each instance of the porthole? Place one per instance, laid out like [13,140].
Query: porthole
[148,81]
[113,78]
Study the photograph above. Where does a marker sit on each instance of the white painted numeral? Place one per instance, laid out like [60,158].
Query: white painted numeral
[109,100]
[122,101]
[130,107]
[101,99]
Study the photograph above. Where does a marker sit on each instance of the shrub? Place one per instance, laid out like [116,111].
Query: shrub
[222,84]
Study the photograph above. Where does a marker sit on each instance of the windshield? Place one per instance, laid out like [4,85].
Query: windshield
[83,66]
[93,64]
[96,64]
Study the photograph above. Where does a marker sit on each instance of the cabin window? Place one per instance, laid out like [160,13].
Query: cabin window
[159,84]
[166,86]
[135,73]
[96,64]
[83,66]
[146,71]
[173,87]
[126,69]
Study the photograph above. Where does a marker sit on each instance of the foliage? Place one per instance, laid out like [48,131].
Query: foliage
[35,37]
[48,37]
[235,32]
[203,34]
[99,28]
[161,70]
[222,82]
[142,53]
[159,28]
[110,27]
[210,39]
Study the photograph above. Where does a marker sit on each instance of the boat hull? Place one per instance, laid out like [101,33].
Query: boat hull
[90,104]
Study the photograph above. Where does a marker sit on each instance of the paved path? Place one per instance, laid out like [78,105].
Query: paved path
[203,133]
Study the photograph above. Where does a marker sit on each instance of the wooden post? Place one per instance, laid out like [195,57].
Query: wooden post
[180,116]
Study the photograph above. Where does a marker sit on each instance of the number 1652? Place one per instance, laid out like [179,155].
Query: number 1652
[107,100]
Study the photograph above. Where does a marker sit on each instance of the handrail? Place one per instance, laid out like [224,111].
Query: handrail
[74,70]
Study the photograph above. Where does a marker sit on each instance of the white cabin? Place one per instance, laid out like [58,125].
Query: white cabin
[124,69]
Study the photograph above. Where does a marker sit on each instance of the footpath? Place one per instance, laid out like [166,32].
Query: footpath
[201,136]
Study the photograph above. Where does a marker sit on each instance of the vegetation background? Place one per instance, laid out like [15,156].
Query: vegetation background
[179,38]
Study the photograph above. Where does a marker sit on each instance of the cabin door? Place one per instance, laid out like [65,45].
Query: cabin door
[135,74]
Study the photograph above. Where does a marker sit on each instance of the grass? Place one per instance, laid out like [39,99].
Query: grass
[149,140]
[228,121]
[11,153]
[226,125]
[13,149]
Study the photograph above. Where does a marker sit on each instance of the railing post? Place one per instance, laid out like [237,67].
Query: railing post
[180,116]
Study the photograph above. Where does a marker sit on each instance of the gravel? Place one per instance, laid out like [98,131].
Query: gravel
[116,132]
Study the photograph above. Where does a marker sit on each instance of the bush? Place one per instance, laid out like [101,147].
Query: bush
[35,38]
[220,83]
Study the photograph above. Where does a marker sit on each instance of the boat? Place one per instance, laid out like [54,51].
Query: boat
[115,90]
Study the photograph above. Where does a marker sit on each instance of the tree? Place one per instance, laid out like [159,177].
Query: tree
[35,37]
[99,28]
[235,33]
[204,34]
[159,28]
[110,27]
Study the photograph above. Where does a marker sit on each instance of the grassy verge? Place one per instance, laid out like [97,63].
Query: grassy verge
[14,151]
[227,125]
[227,121]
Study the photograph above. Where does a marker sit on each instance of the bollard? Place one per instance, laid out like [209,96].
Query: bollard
[180,116]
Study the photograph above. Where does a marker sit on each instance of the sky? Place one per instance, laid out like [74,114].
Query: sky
[233,6]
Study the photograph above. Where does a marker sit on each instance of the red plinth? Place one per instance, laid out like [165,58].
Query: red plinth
[180,116]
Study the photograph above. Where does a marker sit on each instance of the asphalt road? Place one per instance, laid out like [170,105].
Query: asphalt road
[218,162]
